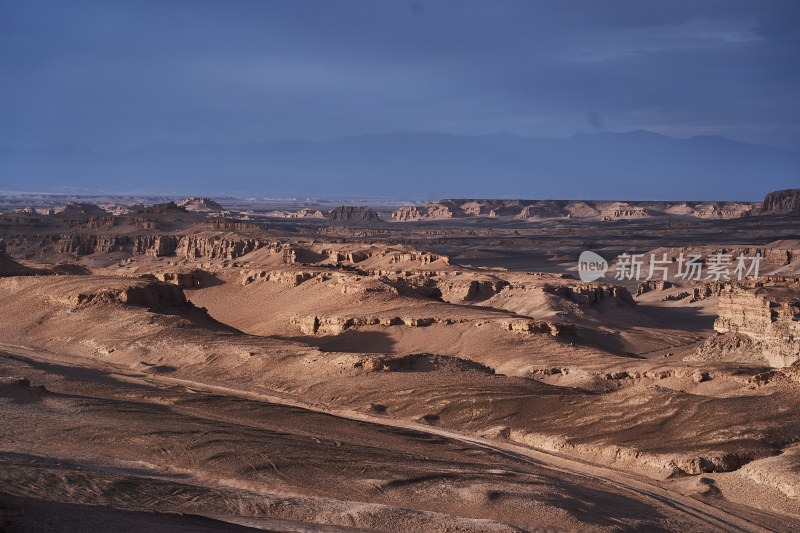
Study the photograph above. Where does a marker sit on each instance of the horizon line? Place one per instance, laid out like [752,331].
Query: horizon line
[382,134]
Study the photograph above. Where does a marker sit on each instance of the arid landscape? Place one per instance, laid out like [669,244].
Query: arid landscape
[213,365]
[408,266]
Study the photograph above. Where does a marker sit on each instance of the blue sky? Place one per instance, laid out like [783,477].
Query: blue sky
[114,75]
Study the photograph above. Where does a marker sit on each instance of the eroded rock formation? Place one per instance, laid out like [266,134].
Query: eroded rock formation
[345,213]
[756,324]
[201,205]
[187,247]
[216,247]
[653,285]
[779,202]
[536,209]
[78,208]
[152,294]
[592,294]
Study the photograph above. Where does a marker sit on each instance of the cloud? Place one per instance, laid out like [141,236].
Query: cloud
[127,73]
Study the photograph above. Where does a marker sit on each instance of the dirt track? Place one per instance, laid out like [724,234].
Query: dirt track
[675,509]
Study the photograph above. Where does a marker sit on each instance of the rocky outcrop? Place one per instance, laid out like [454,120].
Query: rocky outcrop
[186,280]
[707,290]
[759,325]
[780,202]
[592,294]
[201,205]
[653,285]
[155,245]
[75,244]
[307,213]
[469,290]
[345,213]
[619,210]
[545,209]
[216,247]
[417,257]
[186,247]
[89,244]
[757,311]
[724,210]
[78,208]
[538,326]
[434,211]
[445,209]
[536,209]
[292,278]
[228,224]
[162,208]
[153,294]
[470,208]
[788,374]
[342,282]
[33,211]
[117,210]
[335,325]
[94,222]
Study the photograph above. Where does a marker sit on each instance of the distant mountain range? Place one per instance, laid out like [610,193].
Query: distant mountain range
[602,166]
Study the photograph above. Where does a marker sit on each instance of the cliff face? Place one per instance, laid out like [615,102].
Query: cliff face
[426,212]
[188,247]
[780,202]
[592,294]
[346,213]
[761,324]
[196,247]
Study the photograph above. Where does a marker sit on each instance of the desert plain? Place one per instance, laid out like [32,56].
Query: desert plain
[233,365]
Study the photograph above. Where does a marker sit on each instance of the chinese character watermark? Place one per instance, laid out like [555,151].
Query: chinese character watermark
[591,266]
[691,266]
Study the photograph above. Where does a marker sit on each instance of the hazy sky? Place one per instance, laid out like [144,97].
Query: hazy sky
[113,75]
